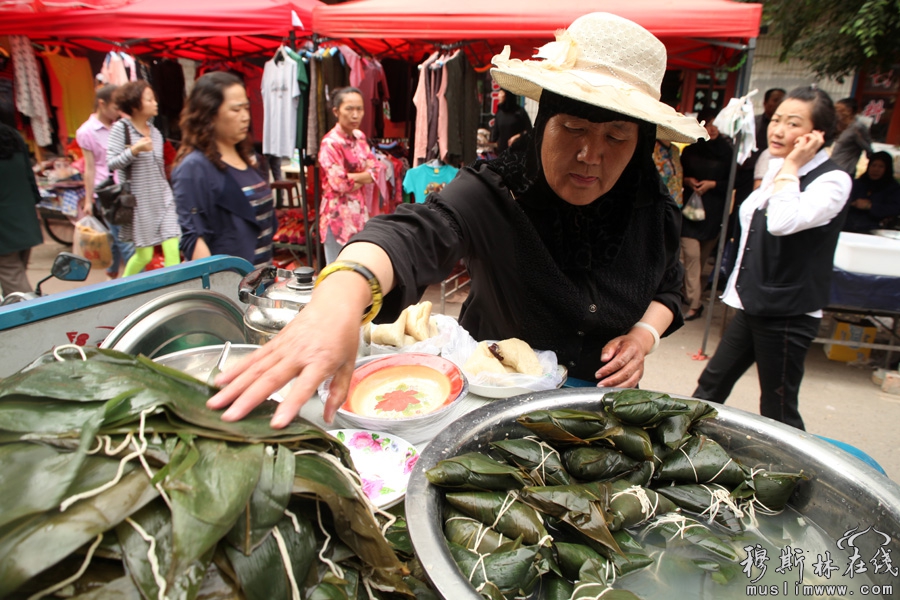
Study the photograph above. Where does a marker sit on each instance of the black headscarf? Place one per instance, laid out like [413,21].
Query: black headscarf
[876,185]
[510,102]
[581,237]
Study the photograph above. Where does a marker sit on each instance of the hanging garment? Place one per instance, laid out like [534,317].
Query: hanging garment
[30,100]
[436,71]
[322,105]
[7,95]
[401,166]
[335,75]
[312,119]
[397,74]
[303,99]
[463,111]
[168,86]
[380,200]
[114,68]
[367,74]
[427,178]
[375,93]
[72,91]
[443,116]
[355,62]
[421,102]
[188,73]
[280,92]
[131,66]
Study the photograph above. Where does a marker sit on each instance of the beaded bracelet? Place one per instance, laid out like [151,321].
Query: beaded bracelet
[653,332]
[374,285]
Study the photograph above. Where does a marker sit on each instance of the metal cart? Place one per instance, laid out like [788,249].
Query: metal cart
[88,315]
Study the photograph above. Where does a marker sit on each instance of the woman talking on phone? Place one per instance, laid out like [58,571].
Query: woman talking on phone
[782,278]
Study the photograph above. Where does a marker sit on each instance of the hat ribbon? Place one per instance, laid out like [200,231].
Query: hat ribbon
[563,55]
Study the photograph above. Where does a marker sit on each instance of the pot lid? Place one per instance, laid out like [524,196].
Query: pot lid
[272,288]
[177,321]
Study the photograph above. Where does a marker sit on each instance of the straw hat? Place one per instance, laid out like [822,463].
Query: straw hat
[604,60]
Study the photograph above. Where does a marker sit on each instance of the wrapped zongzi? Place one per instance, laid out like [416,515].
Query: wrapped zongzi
[538,458]
[502,511]
[701,460]
[475,471]
[642,407]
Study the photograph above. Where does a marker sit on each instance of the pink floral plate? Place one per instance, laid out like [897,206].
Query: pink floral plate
[383,461]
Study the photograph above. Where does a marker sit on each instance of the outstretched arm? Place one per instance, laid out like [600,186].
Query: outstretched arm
[321,341]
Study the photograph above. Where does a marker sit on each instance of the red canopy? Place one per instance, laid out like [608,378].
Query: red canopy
[189,28]
[685,26]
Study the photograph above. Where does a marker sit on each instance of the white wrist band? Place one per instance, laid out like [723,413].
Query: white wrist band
[653,332]
[787,177]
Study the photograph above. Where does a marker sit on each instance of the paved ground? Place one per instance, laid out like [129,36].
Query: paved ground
[837,400]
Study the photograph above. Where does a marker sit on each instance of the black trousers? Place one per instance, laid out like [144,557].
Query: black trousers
[778,346]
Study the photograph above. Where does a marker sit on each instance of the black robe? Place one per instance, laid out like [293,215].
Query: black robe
[581,278]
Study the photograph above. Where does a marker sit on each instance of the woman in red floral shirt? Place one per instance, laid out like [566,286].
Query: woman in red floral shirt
[349,170]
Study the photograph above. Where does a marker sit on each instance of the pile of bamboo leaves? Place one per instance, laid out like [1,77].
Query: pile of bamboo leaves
[117,482]
[564,512]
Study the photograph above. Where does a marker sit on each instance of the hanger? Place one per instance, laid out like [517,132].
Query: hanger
[435,164]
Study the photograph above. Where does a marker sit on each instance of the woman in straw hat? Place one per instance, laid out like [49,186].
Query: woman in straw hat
[572,246]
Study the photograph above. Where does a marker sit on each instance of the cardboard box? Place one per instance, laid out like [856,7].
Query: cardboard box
[862,332]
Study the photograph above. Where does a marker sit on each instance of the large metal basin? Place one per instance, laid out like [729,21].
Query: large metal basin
[843,492]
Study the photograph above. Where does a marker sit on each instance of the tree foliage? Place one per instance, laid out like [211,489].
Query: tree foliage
[837,37]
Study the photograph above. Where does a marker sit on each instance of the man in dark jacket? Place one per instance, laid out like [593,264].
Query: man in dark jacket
[853,137]
[20,230]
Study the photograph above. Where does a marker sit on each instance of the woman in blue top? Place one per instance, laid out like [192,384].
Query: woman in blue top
[224,204]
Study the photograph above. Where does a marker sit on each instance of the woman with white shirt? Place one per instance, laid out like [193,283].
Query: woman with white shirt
[782,277]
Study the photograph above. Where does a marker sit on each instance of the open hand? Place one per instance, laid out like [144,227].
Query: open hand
[624,358]
[321,341]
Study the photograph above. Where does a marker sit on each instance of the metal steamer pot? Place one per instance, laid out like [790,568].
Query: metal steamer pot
[842,493]
[274,297]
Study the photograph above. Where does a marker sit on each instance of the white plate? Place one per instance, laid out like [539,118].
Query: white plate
[383,461]
[502,391]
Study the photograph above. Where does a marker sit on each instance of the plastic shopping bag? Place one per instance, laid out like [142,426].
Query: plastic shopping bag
[738,117]
[93,241]
[693,209]
[460,347]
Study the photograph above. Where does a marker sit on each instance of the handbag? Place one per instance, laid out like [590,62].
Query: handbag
[116,200]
